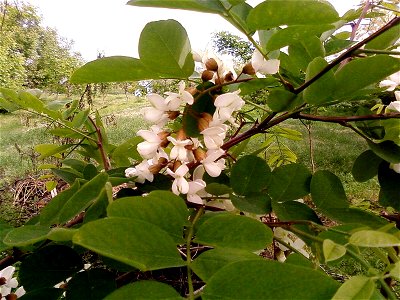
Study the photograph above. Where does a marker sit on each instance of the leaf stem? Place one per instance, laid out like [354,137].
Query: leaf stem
[189,236]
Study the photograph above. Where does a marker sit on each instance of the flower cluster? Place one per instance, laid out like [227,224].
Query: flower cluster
[9,284]
[390,84]
[175,152]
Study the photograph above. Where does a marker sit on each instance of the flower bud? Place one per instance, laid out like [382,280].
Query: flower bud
[155,169]
[181,135]
[163,137]
[248,69]
[172,115]
[199,154]
[207,75]
[176,165]
[229,77]
[192,90]
[11,297]
[219,81]
[3,280]
[204,121]
[211,64]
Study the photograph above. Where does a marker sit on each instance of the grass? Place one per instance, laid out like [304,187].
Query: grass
[335,147]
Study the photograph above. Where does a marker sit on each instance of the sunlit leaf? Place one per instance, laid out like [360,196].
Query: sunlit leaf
[372,238]
[357,287]
[136,243]
[332,251]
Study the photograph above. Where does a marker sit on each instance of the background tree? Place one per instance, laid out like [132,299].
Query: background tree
[32,55]
[226,42]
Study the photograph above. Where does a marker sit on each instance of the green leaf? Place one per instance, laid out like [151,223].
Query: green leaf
[205,6]
[258,203]
[327,191]
[395,271]
[89,172]
[282,12]
[113,69]
[299,260]
[47,150]
[60,234]
[148,289]
[268,280]
[250,174]
[355,216]
[332,251]
[134,242]
[385,40]
[7,105]
[386,150]
[161,208]
[126,150]
[357,287]
[209,262]
[237,232]
[366,166]
[4,229]
[289,182]
[336,45]
[217,189]
[303,52]
[67,174]
[26,235]
[389,194]
[48,266]
[83,198]
[91,285]
[372,238]
[280,100]
[320,91]
[99,207]
[257,84]
[50,213]
[44,293]
[165,48]
[294,34]
[294,210]
[360,73]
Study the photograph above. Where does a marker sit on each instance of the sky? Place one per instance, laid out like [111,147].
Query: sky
[113,28]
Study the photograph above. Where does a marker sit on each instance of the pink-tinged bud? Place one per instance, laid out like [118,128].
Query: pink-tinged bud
[162,163]
[248,69]
[192,90]
[11,297]
[204,121]
[163,137]
[172,115]
[219,81]
[199,154]
[181,135]
[211,64]
[229,77]
[176,165]
[207,75]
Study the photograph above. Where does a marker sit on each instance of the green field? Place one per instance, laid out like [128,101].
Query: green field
[334,147]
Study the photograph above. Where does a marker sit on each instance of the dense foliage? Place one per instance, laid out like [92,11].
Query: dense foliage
[186,203]
[31,55]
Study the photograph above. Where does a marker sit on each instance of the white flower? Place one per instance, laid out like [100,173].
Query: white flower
[395,105]
[391,82]
[141,172]
[183,95]
[149,147]
[225,105]
[196,187]
[9,282]
[213,166]
[259,63]
[214,136]
[180,184]
[158,113]
[179,151]
[20,292]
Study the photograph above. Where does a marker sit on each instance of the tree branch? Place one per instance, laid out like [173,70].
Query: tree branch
[335,119]
[347,54]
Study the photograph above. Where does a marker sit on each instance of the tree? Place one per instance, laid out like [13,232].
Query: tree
[226,42]
[31,55]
